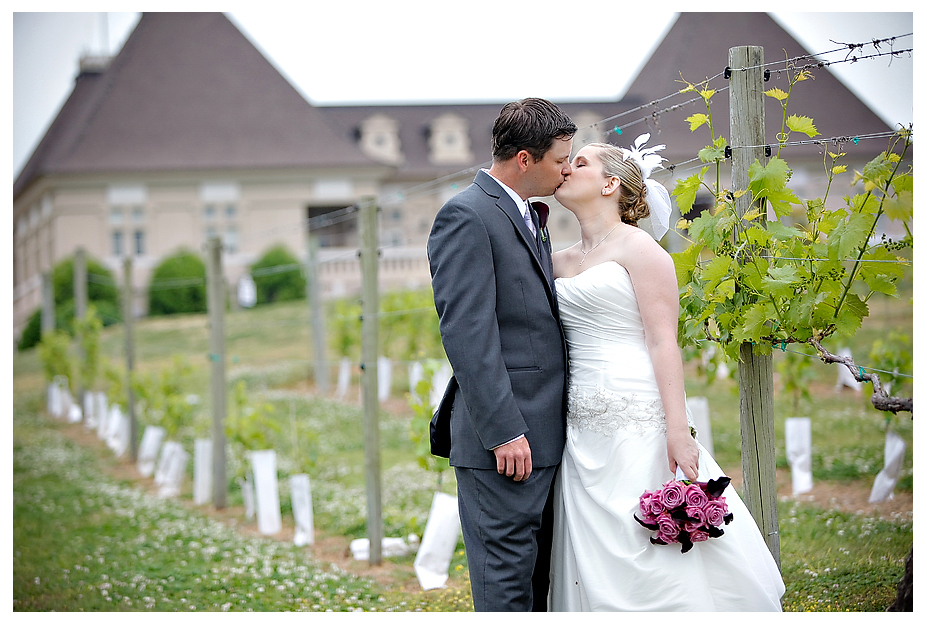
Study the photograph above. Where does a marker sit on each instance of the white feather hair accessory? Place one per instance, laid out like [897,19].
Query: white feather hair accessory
[658,199]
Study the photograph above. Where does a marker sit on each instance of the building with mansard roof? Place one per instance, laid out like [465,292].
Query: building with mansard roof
[189,132]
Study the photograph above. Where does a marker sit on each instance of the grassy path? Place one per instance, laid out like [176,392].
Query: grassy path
[84,541]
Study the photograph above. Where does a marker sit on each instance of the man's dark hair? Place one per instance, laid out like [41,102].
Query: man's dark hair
[531,124]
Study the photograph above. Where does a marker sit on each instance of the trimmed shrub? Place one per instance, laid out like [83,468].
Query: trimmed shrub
[101,285]
[102,294]
[178,285]
[278,276]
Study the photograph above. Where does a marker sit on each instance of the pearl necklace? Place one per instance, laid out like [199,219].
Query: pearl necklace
[585,253]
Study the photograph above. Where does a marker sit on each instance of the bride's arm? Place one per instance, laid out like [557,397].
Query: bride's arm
[654,279]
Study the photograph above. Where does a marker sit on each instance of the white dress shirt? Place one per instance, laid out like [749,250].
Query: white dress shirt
[523,205]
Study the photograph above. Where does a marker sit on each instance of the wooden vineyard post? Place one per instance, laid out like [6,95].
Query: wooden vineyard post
[216,306]
[370,323]
[757,434]
[128,312]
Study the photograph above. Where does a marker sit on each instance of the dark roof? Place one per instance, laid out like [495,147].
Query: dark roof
[187,92]
[696,48]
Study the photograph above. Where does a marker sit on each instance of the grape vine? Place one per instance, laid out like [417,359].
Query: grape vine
[808,273]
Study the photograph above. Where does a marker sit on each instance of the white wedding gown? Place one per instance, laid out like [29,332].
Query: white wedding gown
[615,450]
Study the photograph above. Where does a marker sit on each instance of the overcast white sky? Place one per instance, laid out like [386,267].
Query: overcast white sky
[416,51]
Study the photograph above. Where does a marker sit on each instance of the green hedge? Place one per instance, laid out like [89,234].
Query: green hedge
[102,293]
[278,277]
[178,285]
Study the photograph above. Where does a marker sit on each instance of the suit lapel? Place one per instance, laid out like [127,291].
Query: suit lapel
[507,205]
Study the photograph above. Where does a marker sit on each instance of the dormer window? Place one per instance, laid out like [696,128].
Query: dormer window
[449,140]
[379,139]
[220,202]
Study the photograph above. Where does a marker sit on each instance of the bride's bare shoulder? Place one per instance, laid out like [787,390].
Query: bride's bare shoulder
[640,250]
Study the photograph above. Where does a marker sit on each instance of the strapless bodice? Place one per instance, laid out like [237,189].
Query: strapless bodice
[612,382]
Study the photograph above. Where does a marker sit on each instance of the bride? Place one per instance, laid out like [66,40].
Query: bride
[628,428]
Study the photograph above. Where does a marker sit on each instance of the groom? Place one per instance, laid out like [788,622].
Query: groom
[501,421]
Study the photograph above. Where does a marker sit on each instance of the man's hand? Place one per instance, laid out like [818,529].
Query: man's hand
[514,459]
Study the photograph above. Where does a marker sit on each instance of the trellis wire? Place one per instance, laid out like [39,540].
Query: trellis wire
[430,186]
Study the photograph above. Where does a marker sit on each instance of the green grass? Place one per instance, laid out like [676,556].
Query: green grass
[837,561]
[84,540]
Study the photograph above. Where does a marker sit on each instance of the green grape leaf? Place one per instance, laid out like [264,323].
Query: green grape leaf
[779,231]
[776,93]
[685,263]
[849,236]
[755,323]
[802,124]
[771,177]
[770,181]
[863,203]
[696,120]
[851,315]
[716,269]
[780,280]
[900,207]
[715,152]
[686,189]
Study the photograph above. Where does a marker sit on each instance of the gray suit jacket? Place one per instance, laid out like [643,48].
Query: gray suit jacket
[500,326]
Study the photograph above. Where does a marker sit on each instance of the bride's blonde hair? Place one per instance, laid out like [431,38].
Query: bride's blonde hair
[632,201]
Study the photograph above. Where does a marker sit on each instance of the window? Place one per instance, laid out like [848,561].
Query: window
[139,242]
[220,201]
[127,217]
[230,243]
[221,219]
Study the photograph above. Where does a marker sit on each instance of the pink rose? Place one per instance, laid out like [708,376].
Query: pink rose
[697,536]
[650,505]
[696,513]
[668,529]
[714,513]
[695,496]
[673,494]
[647,519]
[692,526]
[667,540]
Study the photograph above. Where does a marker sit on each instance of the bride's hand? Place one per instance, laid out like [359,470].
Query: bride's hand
[682,451]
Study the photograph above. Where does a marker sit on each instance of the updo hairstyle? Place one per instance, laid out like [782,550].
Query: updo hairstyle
[632,201]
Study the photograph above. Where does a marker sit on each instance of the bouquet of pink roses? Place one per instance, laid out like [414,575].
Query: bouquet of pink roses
[685,512]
